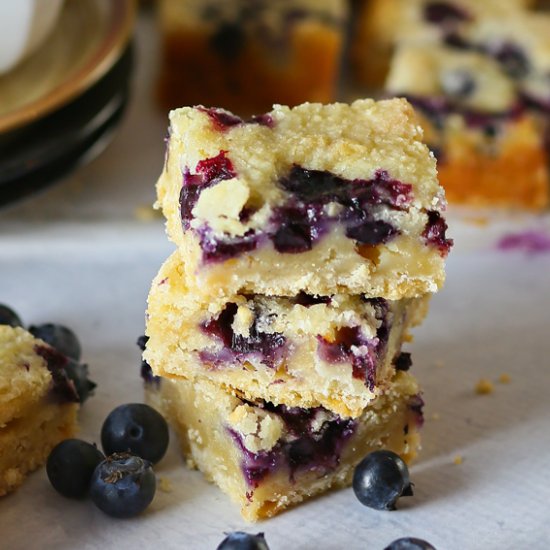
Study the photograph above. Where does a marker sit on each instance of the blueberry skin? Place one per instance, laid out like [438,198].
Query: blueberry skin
[61,338]
[243,541]
[135,428]
[380,479]
[123,485]
[410,543]
[70,467]
[9,317]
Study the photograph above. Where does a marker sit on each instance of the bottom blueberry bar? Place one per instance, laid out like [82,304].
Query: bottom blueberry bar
[268,458]
[38,404]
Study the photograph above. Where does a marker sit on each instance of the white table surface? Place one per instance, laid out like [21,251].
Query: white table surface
[78,255]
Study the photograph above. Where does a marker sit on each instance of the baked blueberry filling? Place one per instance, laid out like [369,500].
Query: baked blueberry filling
[306,446]
[208,172]
[217,250]
[458,83]
[444,13]
[511,57]
[269,347]
[64,388]
[305,217]
[434,233]
[416,404]
[224,120]
[350,345]
[438,108]
[307,300]
[403,361]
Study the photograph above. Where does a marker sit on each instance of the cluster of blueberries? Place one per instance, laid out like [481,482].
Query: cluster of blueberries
[120,483]
[134,436]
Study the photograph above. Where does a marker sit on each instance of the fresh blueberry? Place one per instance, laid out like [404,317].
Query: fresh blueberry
[409,543]
[243,541]
[123,485]
[71,465]
[136,428]
[60,337]
[9,317]
[380,479]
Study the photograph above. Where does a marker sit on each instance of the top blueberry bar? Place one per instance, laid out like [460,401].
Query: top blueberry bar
[317,198]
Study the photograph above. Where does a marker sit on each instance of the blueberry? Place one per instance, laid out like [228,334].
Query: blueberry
[444,13]
[70,467]
[9,317]
[409,543]
[435,233]
[380,479]
[512,59]
[135,428]
[243,541]
[63,339]
[403,361]
[123,485]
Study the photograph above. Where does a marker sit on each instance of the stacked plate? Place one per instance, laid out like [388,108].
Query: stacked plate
[60,105]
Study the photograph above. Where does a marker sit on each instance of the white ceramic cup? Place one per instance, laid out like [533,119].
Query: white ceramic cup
[24,25]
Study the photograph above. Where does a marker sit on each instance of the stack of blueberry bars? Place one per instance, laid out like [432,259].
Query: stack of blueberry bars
[309,240]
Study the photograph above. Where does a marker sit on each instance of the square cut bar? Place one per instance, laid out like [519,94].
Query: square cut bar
[336,351]
[490,146]
[383,24]
[248,55]
[322,199]
[268,458]
[38,404]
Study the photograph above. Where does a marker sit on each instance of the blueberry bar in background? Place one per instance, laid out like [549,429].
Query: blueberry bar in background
[268,458]
[248,55]
[337,351]
[478,74]
[320,199]
[38,404]
[383,24]
[491,148]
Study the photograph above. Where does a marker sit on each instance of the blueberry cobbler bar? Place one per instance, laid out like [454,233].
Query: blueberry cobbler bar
[248,55]
[490,147]
[478,74]
[38,404]
[383,24]
[268,457]
[320,199]
[337,351]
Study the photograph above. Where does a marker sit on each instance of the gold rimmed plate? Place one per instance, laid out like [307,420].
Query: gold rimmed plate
[60,107]
[88,40]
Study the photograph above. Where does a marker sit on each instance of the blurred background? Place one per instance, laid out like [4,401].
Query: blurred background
[73,74]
